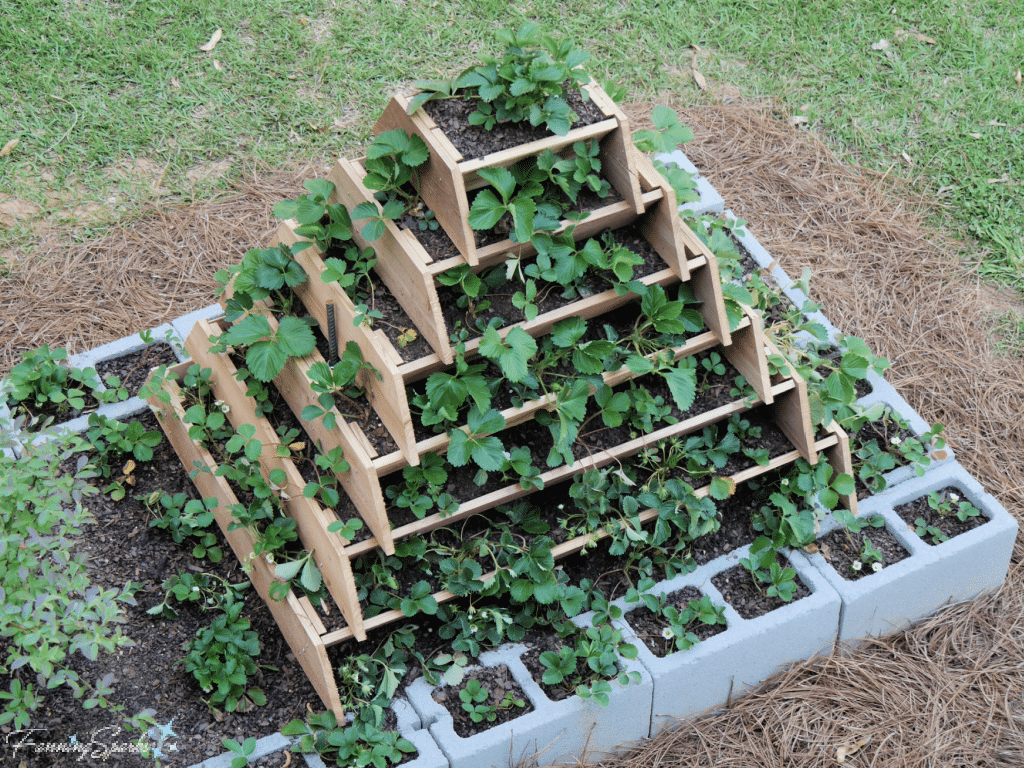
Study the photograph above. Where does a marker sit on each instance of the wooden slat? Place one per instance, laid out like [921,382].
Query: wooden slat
[793,413]
[618,164]
[441,184]
[662,228]
[707,287]
[311,520]
[401,261]
[360,482]
[747,353]
[299,632]
[842,462]
[387,394]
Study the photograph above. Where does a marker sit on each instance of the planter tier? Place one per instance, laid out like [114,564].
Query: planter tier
[311,520]
[387,394]
[446,178]
[298,620]
[362,482]
[827,445]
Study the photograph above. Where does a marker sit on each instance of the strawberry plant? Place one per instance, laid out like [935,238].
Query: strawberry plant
[527,83]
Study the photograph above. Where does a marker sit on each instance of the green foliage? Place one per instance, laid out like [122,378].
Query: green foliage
[346,381]
[111,441]
[267,351]
[362,743]
[667,135]
[210,591]
[243,751]
[184,518]
[49,609]
[512,353]
[950,504]
[41,380]
[473,696]
[220,657]
[764,568]
[526,83]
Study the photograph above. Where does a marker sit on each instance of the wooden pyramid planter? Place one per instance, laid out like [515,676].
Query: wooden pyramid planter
[409,273]
[447,177]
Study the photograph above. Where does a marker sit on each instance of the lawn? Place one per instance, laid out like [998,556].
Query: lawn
[114,105]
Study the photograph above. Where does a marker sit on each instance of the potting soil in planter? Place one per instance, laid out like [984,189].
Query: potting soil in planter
[747,597]
[841,553]
[950,525]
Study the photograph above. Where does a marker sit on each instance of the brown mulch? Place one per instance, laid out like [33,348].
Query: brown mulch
[81,295]
[947,693]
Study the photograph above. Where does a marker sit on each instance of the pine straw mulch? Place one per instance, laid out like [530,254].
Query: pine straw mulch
[81,295]
[947,693]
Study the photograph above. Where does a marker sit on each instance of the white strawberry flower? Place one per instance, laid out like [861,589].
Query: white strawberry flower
[857,565]
[876,567]
[667,633]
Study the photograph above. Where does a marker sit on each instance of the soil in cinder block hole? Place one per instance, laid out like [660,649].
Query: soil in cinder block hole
[499,684]
[841,552]
[950,524]
[749,599]
[883,432]
[133,369]
[648,627]
[472,141]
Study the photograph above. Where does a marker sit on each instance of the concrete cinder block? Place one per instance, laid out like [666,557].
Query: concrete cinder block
[559,731]
[687,683]
[679,158]
[956,570]
[883,393]
[183,325]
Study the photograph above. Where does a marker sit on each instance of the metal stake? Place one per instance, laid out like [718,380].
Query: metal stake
[332,335]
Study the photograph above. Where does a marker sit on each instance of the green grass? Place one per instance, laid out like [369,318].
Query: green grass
[88,87]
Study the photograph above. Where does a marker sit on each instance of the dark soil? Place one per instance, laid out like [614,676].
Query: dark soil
[133,369]
[840,553]
[498,682]
[949,525]
[122,547]
[648,627]
[452,116]
[738,588]
[538,643]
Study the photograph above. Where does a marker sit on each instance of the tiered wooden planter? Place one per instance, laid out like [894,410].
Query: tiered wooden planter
[448,177]
[410,274]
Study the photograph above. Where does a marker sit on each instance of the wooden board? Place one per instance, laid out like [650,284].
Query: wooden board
[360,482]
[747,353]
[387,394]
[793,413]
[401,261]
[298,630]
[842,462]
[311,520]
